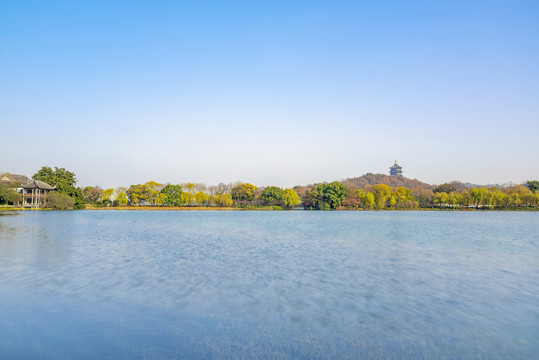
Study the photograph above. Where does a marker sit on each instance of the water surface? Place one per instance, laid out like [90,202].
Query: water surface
[295,284]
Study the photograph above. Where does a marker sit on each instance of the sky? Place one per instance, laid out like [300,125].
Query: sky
[270,92]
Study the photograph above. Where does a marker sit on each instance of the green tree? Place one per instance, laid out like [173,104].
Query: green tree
[465,199]
[520,196]
[441,198]
[452,199]
[515,199]
[332,194]
[137,194]
[448,187]
[59,201]
[243,192]
[360,194]
[533,185]
[404,196]
[325,196]
[489,199]
[311,199]
[152,189]
[173,195]
[9,195]
[497,197]
[367,198]
[478,196]
[160,199]
[272,195]
[65,182]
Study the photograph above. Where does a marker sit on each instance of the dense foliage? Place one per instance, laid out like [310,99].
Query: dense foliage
[9,194]
[290,198]
[244,192]
[172,195]
[356,193]
[271,195]
[533,185]
[453,195]
[92,194]
[511,197]
[65,182]
[59,201]
[325,196]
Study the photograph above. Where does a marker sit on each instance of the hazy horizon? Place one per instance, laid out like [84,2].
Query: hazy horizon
[115,186]
[279,93]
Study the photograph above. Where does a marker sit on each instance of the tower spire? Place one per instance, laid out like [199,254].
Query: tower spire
[395,169]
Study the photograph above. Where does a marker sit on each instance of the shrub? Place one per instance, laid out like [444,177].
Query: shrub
[59,201]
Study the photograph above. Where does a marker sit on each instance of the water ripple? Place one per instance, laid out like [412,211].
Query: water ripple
[269,285]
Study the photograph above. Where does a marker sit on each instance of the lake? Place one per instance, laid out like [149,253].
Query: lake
[274,285]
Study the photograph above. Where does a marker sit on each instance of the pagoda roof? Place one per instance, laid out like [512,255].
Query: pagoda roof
[396,166]
[37,184]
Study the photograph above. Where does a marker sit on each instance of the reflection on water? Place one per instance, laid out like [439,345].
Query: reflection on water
[269,285]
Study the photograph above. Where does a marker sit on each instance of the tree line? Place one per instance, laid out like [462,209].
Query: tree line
[325,196]
[336,195]
[452,195]
[493,197]
[243,195]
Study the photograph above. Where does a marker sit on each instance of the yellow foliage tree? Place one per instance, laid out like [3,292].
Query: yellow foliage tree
[106,195]
[382,193]
[201,198]
[121,198]
[291,198]
[224,200]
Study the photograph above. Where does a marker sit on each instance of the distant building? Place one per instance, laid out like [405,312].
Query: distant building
[35,192]
[395,170]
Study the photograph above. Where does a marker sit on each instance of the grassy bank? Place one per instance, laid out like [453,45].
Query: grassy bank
[267,208]
[14,208]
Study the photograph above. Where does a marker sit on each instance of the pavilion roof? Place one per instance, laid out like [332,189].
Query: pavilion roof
[37,184]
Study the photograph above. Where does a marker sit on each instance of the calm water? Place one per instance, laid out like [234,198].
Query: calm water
[374,285]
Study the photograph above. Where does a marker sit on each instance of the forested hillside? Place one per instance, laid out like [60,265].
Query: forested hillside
[393,181]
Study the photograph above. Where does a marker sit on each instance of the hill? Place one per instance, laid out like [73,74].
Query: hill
[420,189]
[393,181]
[7,178]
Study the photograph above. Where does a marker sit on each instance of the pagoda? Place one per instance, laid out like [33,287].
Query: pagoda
[395,170]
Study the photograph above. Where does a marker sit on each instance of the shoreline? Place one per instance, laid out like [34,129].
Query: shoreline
[209,208]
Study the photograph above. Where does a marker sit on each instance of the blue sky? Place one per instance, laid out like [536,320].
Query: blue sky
[273,93]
